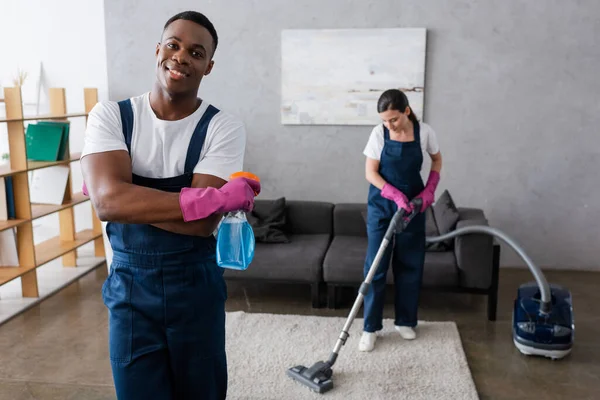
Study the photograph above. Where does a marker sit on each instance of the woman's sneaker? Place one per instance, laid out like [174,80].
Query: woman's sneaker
[406,332]
[367,341]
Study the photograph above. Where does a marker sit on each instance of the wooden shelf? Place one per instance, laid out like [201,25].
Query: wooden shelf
[7,274]
[67,240]
[5,170]
[42,210]
[47,251]
[53,248]
[33,165]
[44,117]
[11,223]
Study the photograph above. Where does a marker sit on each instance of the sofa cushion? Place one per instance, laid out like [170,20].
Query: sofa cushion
[268,221]
[309,217]
[446,215]
[440,269]
[300,260]
[345,259]
[349,219]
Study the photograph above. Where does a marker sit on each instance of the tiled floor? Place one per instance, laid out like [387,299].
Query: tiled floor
[57,349]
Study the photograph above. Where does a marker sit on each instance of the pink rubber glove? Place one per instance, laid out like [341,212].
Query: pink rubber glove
[428,194]
[199,203]
[391,193]
[84,189]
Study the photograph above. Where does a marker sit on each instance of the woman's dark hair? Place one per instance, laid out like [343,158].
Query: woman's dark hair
[201,20]
[394,99]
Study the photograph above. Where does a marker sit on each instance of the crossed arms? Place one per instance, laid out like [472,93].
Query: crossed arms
[115,198]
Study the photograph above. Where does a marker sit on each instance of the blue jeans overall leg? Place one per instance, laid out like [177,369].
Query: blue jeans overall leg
[166,300]
[400,166]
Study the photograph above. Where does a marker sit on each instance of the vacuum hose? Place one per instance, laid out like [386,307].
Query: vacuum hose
[537,273]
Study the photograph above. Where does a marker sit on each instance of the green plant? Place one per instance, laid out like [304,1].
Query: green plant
[20,78]
[5,156]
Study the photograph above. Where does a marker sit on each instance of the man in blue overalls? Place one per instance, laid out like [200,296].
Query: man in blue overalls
[157,167]
[393,168]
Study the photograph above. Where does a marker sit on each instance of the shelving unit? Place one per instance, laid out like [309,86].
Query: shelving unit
[67,241]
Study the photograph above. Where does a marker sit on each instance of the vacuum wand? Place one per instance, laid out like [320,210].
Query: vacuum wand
[537,273]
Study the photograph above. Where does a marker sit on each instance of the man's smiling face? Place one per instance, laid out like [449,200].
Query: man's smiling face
[183,57]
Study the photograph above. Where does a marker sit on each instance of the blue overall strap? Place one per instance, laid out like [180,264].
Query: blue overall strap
[197,141]
[127,121]
[386,133]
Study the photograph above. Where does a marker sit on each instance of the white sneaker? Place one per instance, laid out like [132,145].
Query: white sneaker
[367,341]
[406,332]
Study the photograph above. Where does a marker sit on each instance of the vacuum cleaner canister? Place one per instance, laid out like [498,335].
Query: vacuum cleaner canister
[538,333]
[542,313]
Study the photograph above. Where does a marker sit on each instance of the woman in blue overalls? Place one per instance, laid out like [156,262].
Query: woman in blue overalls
[393,168]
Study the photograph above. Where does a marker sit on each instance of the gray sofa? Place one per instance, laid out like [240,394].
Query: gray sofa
[324,244]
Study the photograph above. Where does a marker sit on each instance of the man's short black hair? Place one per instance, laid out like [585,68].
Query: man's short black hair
[198,18]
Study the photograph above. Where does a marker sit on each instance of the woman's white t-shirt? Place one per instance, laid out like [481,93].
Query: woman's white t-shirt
[374,147]
[159,147]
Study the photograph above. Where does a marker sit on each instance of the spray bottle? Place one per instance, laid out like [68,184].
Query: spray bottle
[235,238]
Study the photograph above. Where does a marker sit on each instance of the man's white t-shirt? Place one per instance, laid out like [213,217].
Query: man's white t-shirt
[159,148]
[374,147]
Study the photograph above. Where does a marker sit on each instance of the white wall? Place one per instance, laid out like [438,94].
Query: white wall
[67,37]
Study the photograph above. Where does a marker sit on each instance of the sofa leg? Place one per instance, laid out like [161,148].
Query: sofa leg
[493,293]
[331,296]
[492,306]
[315,289]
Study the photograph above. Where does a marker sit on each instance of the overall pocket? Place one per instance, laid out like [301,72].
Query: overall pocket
[116,294]
[395,152]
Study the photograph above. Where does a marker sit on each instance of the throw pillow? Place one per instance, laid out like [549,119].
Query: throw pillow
[446,216]
[431,230]
[267,220]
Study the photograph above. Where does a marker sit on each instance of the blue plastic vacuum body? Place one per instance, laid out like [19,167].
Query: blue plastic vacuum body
[549,334]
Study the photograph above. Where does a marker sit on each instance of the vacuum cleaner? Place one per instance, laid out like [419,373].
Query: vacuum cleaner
[542,315]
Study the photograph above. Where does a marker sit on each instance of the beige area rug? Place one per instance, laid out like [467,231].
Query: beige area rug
[261,347]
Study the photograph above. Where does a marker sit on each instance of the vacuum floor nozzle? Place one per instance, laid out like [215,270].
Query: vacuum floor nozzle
[317,378]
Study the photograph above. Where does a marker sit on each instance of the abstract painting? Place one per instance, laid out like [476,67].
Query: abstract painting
[335,76]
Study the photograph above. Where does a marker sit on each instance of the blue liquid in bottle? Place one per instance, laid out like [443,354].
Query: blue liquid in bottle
[235,242]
